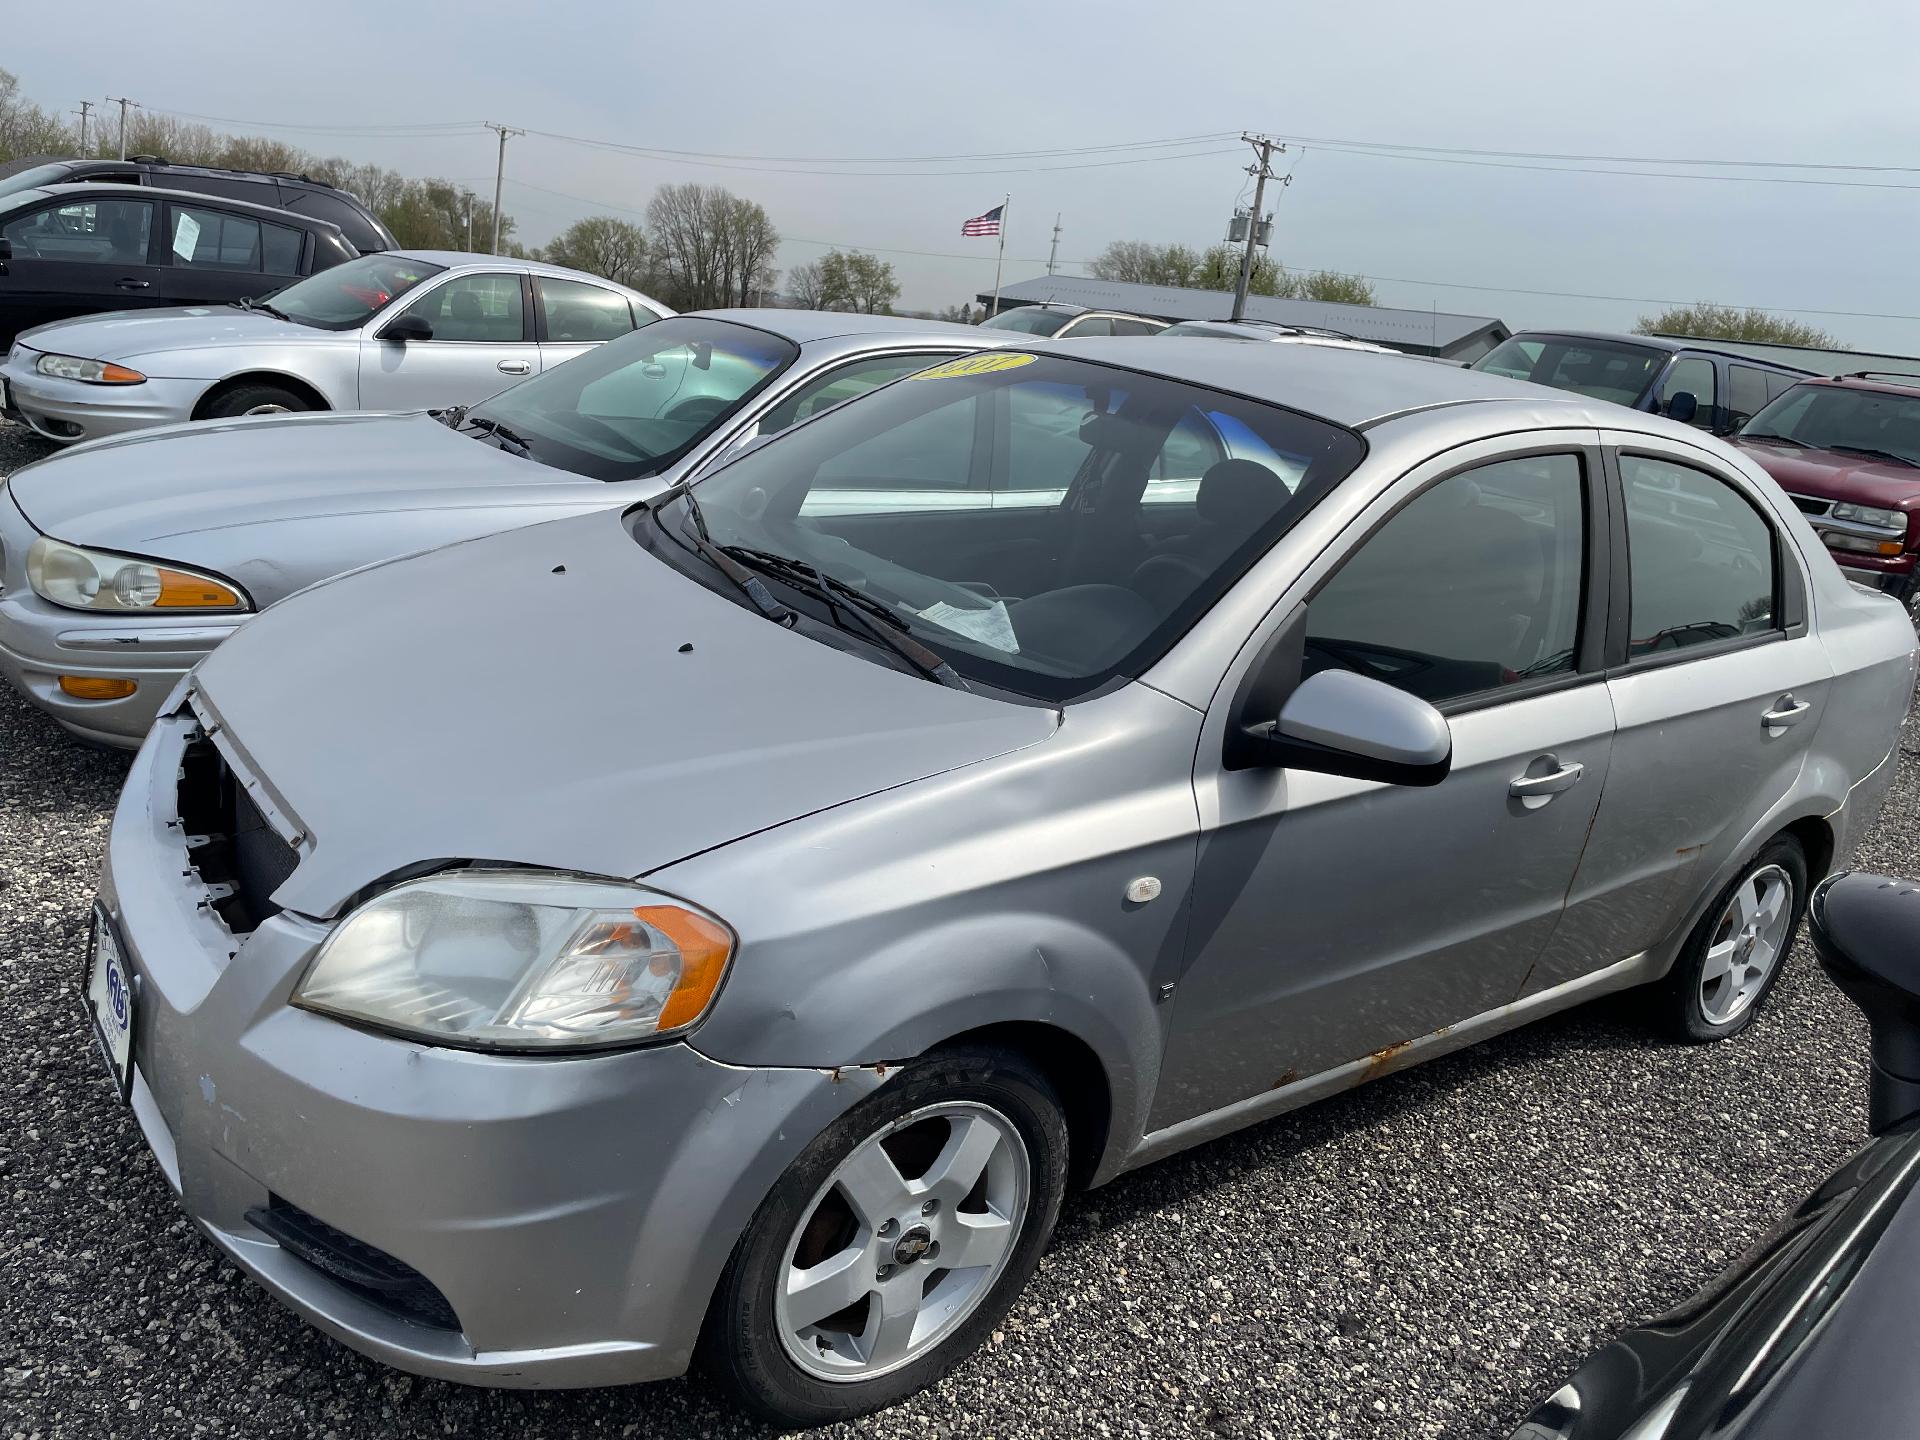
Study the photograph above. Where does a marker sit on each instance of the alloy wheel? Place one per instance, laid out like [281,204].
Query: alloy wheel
[903,1241]
[268,409]
[1747,943]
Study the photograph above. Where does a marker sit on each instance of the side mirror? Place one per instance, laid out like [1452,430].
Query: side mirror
[1682,406]
[407,327]
[1866,930]
[1340,723]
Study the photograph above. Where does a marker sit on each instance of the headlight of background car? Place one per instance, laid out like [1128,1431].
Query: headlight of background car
[520,960]
[98,580]
[94,372]
[1870,515]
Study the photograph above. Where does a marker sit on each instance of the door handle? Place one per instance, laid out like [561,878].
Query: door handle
[1542,788]
[133,284]
[513,367]
[1786,711]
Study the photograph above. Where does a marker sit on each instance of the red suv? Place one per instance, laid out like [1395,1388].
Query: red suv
[1847,451]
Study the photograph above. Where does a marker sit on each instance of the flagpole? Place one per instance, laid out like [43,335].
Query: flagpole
[1006,204]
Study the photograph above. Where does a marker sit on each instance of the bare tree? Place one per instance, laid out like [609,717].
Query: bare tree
[807,285]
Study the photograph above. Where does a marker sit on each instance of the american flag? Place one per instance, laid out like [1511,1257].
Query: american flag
[987,224]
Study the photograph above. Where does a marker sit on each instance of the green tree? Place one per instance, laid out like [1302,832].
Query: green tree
[1707,321]
[602,245]
[1332,286]
[27,130]
[1218,268]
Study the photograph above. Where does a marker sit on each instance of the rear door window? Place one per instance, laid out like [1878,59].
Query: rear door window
[577,312]
[213,240]
[1700,556]
[1746,392]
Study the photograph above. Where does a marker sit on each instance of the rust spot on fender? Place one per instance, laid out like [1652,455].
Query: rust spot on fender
[1287,1078]
[1381,1060]
[1691,849]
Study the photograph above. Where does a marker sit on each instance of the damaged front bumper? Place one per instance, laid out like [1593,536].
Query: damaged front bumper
[499,1220]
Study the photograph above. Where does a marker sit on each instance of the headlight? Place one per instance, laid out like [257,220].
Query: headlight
[94,372]
[1870,515]
[79,579]
[520,960]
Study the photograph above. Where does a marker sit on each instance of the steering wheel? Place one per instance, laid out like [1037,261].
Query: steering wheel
[700,409]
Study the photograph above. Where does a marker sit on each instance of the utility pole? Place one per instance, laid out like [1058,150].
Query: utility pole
[85,106]
[500,174]
[469,222]
[1054,252]
[1261,172]
[123,104]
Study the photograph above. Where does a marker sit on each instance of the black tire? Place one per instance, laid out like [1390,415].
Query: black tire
[741,1347]
[1683,1011]
[250,398]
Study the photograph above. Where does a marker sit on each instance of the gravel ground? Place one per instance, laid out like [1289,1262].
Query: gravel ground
[1424,1257]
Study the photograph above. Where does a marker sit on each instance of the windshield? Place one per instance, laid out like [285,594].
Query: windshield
[637,404]
[1613,370]
[1029,320]
[1041,524]
[33,177]
[348,295]
[1835,417]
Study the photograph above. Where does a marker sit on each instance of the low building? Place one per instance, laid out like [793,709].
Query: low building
[1416,332]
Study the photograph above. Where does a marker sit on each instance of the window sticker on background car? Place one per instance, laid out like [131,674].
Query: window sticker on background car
[186,236]
[974,365]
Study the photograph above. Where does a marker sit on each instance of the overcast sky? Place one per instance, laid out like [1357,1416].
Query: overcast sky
[1769,80]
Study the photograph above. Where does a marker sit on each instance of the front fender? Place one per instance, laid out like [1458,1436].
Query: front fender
[903,999]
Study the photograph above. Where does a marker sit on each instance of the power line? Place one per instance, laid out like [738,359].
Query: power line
[1336,148]
[434,127]
[670,159]
[1050,152]
[1603,159]
[1298,265]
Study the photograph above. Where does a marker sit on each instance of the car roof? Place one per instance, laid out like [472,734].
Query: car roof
[1350,387]
[801,326]
[458,259]
[193,197]
[1883,381]
[1667,343]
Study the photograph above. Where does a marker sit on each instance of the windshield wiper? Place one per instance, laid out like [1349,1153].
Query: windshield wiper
[1876,454]
[752,585]
[498,431]
[451,417]
[836,593]
[1769,435]
[248,303]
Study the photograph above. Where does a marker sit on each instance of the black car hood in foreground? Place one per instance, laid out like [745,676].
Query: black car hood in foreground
[558,697]
[1811,1336]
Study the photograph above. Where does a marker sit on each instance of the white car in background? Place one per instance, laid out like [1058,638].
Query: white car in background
[397,330]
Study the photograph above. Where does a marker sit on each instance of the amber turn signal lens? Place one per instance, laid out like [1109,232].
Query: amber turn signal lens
[193,592]
[704,950]
[1890,547]
[120,375]
[96,687]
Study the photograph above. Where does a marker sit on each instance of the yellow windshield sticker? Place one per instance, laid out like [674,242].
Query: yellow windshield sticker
[974,365]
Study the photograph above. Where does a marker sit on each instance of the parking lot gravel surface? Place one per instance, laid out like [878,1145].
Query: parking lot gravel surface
[1423,1257]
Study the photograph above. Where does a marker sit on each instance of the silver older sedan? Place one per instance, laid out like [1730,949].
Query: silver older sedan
[123,562]
[725,929]
[400,330]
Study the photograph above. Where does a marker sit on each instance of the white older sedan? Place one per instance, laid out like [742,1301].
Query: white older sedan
[398,330]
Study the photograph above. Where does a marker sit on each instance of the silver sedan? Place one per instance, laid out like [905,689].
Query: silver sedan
[125,561]
[399,330]
[731,925]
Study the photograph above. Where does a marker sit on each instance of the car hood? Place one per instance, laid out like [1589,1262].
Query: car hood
[557,697]
[1834,475]
[129,334]
[353,488]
